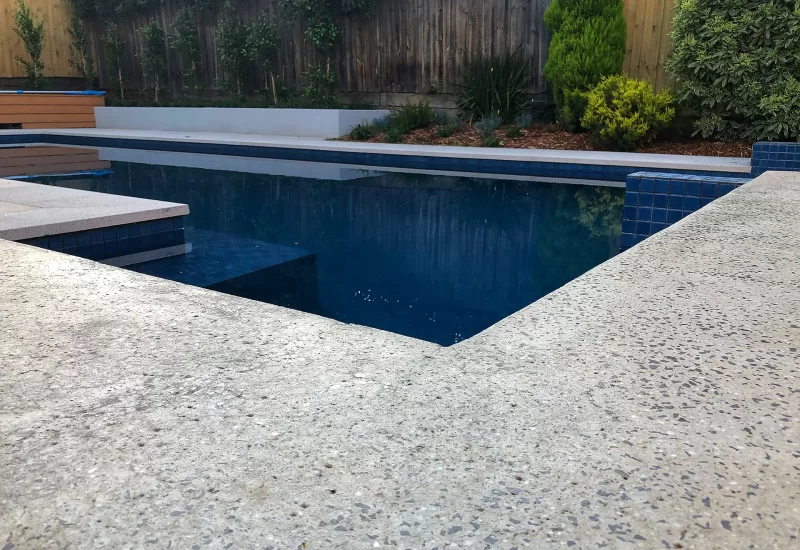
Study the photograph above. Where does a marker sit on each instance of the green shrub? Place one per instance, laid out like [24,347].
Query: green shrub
[262,45]
[524,120]
[514,132]
[449,129]
[381,124]
[80,55]
[411,117]
[440,117]
[154,54]
[488,125]
[393,135]
[115,52]
[232,47]
[491,141]
[493,85]
[624,113]
[184,38]
[32,34]
[588,43]
[737,64]
[362,132]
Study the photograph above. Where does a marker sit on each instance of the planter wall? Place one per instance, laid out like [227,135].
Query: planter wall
[310,123]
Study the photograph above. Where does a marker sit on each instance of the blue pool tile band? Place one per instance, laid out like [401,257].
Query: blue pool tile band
[655,200]
[119,240]
[595,172]
[778,156]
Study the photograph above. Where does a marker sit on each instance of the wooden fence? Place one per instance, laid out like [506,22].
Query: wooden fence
[55,56]
[406,46]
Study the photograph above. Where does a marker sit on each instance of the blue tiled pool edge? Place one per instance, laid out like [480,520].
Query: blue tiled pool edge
[654,201]
[586,171]
[116,241]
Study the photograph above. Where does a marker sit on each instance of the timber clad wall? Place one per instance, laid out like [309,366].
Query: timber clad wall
[49,110]
[406,46]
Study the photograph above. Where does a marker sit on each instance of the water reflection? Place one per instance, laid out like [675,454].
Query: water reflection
[434,257]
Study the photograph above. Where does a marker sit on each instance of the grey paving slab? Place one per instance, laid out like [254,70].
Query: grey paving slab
[651,403]
[30,210]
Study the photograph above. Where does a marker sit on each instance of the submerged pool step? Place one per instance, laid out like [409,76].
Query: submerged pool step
[98,226]
[244,267]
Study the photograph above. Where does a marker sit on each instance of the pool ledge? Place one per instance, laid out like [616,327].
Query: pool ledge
[586,158]
[651,402]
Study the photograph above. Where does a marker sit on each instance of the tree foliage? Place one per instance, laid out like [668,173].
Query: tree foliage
[80,55]
[232,47]
[588,43]
[262,48]
[115,52]
[154,54]
[31,33]
[185,40]
[738,63]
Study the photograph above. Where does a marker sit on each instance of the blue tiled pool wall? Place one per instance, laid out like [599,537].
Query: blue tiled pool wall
[115,241]
[775,156]
[654,201]
[485,166]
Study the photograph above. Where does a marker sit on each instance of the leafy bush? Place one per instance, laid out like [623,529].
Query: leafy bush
[524,120]
[491,141]
[493,85]
[393,135]
[737,63]
[184,38]
[232,47]
[449,129]
[32,34]
[381,124]
[154,54]
[624,113]
[362,132]
[115,51]
[262,48]
[441,117]
[488,125]
[80,56]
[514,132]
[411,117]
[588,43]
[320,88]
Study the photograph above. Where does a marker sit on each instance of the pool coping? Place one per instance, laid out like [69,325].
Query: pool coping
[651,399]
[475,159]
[43,210]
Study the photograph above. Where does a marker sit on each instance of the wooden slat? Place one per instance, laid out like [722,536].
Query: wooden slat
[48,160]
[38,125]
[14,152]
[56,168]
[55,51]
[51,99]
[404,46]
[45,109]
[52,117]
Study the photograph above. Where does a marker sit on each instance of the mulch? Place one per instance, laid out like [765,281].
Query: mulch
[548,137]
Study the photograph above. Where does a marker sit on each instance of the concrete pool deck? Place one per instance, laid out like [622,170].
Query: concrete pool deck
[598,158]
[30,210]
[650,403]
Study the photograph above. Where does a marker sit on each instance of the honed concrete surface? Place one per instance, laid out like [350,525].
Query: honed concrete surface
[651,403]
[30,210]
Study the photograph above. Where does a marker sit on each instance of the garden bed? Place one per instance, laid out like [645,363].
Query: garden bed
[545,137]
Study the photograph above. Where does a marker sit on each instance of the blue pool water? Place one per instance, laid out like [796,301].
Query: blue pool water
[435,257]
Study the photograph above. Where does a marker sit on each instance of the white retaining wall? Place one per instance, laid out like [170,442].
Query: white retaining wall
[311,123]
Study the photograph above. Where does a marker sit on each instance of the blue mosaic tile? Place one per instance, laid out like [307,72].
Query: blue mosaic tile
[673,197]
[110,242]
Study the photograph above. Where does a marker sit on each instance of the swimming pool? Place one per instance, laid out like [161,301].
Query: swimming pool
[439,257]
